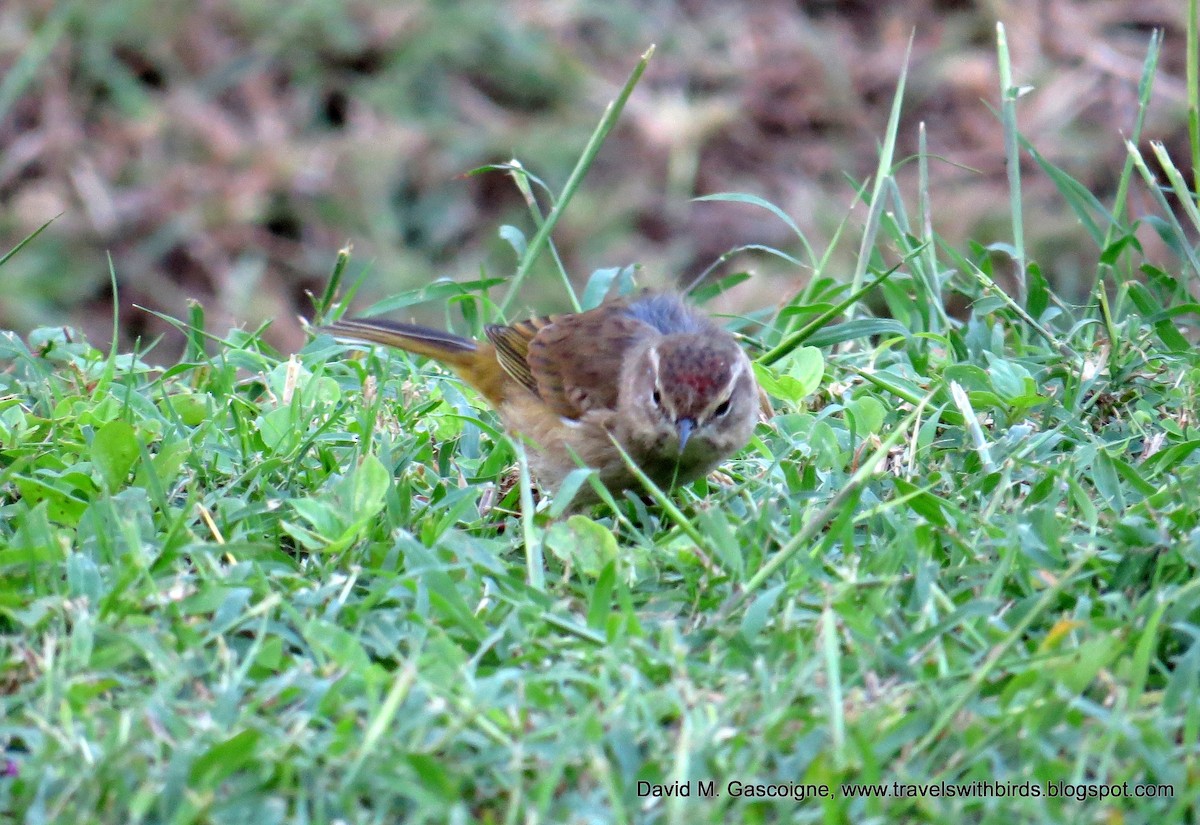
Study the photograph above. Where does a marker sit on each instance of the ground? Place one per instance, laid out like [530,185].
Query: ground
[223,152]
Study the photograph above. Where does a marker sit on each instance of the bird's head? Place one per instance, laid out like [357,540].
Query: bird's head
[691,396]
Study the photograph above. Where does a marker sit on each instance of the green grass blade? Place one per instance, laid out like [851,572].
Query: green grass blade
[611,114]
[883,171]
[1012,158]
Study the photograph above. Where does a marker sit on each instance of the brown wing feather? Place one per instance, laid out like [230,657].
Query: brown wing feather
[577,359]
[512,350]
[572,362]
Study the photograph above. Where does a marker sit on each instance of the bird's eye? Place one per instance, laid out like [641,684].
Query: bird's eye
[721,409]
[657,398]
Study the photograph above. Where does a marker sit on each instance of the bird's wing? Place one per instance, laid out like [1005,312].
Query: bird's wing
[572,362]
[512,348]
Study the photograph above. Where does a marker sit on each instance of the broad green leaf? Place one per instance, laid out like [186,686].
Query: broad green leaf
[794,378]
[868,414]
[223,759]
[278,429]
[114,450]
[515,238]
[584,544]
[367,486]
[600,283]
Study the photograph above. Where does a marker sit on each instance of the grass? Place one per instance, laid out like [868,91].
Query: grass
[261,587]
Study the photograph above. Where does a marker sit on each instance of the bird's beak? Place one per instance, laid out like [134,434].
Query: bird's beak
[684,427]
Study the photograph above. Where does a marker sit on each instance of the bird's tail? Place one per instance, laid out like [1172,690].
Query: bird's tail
[474,361]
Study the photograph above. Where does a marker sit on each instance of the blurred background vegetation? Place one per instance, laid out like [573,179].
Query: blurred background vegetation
[224,150]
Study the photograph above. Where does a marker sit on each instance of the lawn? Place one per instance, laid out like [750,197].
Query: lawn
[953,578]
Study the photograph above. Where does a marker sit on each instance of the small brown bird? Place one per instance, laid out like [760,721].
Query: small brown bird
[674,389]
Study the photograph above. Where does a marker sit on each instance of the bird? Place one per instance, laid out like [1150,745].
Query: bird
[648,371]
